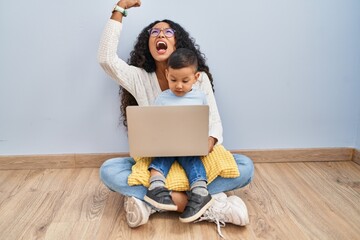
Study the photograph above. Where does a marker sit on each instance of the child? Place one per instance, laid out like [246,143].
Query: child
[181,74]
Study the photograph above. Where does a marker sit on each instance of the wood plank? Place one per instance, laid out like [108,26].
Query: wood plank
[96,159]
[68,230]
[37,161]
[311,200]
[29,214]
[86,181]
[356,156]
[337,189]
[52,179]
[37,224]
[344,176]
[305,203]
[298,155]
[83,207]
[11,179]
[269,215]
[113,218]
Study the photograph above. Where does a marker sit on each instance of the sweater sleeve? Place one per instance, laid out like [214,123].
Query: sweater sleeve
[215,125]
[129,77]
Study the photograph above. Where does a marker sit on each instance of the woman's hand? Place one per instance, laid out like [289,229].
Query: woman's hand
[126,4]
[212,141]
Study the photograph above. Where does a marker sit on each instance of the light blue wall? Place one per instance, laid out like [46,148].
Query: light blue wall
[287,73]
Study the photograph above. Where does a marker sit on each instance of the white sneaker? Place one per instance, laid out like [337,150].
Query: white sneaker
[137,211]
[226,210]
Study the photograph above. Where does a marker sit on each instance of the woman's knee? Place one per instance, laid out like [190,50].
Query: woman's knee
[114,172]
[246,168]
[106,169]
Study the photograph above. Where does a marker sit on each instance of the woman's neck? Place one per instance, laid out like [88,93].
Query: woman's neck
[161,76]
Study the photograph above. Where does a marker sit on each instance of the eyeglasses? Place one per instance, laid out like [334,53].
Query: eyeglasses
[168,32]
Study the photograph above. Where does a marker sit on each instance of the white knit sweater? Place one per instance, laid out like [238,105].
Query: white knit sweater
[142,85]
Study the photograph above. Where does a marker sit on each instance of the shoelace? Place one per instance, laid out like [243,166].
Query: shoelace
[212,216]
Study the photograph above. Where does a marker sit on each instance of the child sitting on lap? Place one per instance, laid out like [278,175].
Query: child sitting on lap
[181,74]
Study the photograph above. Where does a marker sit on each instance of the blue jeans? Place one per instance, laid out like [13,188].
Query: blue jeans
[193,166]
[114,174]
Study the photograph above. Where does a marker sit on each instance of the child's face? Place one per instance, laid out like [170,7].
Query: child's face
[181,80]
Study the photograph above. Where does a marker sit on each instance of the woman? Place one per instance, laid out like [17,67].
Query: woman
[144,78]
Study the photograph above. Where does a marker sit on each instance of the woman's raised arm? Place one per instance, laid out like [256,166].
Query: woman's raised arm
[116,68]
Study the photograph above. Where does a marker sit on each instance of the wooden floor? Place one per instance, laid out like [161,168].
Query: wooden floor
[314,200]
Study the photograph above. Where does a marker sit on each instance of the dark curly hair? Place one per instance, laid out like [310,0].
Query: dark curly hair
[141,57]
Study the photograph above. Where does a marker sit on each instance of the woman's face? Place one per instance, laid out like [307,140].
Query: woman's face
[162,45]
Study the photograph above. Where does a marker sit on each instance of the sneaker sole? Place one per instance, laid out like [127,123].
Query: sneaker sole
[198,214]
[160,205]
[244,221]
[133,213]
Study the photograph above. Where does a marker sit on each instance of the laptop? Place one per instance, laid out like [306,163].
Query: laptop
[168,130]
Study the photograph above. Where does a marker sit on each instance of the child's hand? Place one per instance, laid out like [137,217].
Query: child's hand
[212,141]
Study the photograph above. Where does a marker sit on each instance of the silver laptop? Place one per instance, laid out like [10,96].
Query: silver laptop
[168,130]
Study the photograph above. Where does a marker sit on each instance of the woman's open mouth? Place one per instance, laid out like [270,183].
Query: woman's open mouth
[161,47]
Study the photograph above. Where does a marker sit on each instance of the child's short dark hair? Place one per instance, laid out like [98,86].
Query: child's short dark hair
[183,57]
